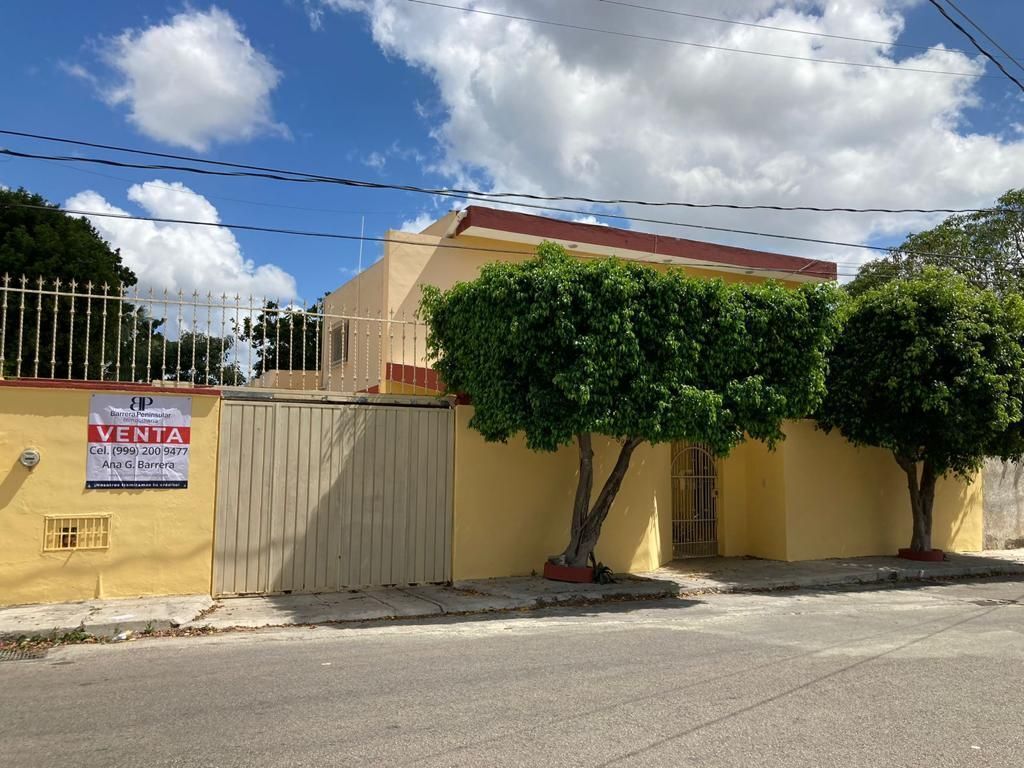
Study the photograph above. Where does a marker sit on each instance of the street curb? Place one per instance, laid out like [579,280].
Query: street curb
[106,627]
[891,577]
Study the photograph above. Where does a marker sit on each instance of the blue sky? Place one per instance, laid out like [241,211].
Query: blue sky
[387,90]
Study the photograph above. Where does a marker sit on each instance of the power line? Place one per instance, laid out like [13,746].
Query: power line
[224,197]
[446,192]
[806,32]
[673,41]
[371,239]
[976,44]
[277,177]
[989,37]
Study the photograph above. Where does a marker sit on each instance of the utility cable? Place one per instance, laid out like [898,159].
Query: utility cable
[987,36]
[976,44]
[673,41]
[368,238]
[807,32]
[449,191]
[256,174]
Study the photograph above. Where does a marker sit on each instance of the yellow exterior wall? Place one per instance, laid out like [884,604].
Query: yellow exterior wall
[816,496]
[843,501]
[161,541]
[513,506]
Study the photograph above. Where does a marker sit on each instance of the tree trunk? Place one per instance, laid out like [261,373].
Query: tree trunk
[581,504]
[922,499]
[586,529]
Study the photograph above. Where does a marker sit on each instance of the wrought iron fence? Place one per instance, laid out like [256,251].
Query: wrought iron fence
[58,330]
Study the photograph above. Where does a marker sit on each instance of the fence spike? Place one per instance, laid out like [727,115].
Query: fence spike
[209,333]
[302,356]
[88,328]
[149,344]
[3,326]
[291,342]
[223,336]
[103,331]
[317,333]
[264,353]
[277,336]
[53,340]
[238,309]
[120,322]
[381,385]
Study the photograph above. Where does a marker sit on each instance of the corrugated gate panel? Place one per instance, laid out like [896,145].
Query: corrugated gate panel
[315,497]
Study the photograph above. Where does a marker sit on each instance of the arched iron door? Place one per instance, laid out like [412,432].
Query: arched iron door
[694,501]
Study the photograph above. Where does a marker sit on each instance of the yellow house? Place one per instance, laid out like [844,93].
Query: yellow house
[815,496]
[292,490]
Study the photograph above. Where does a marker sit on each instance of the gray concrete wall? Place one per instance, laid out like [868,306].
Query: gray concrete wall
[1003,494]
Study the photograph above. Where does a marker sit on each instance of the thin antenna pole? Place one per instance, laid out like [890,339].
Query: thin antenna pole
[359,270]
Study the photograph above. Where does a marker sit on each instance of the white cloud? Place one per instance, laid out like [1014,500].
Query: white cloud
[182,256]
[375,160]
[560,111]
[193,81]
[588,219]
[79,72]
[417,224]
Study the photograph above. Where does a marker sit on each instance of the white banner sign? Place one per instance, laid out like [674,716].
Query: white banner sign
[138,441]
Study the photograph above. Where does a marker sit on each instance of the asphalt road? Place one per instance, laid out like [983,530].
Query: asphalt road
[918,677]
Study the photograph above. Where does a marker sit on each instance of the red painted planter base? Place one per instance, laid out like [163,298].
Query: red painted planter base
[568,573]
[930,556]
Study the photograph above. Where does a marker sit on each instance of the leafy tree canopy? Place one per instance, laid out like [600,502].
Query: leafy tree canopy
[48,244]
[556,346]
[932,369]
[986,247]
[128,342]
[559,348]
[285,338]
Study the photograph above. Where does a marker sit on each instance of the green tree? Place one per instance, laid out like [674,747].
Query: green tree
[49,244]
[986,247]
[284,338]
[561,349]
[931,369]
[44,244]
[195,357]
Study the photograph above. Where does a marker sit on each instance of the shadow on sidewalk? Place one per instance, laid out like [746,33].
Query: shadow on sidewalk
[511,598]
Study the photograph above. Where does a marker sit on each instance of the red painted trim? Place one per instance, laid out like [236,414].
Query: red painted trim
[419,376]
[625,239]
[108,386]
[414,375]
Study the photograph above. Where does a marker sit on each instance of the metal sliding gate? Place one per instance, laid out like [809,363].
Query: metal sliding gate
[316,496]
[694,501]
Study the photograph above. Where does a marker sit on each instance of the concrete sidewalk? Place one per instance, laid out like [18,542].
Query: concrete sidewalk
[745,574]
[105,618]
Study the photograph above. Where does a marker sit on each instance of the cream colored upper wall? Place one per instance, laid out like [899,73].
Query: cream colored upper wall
[393,287]
[161,540]
[363,299]
[417,260]
[513,506]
